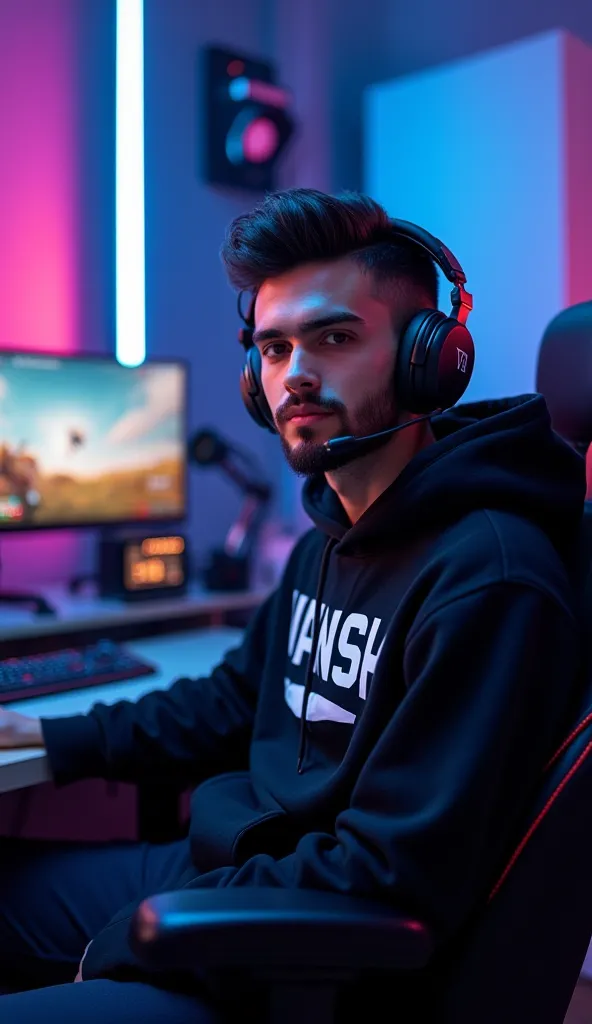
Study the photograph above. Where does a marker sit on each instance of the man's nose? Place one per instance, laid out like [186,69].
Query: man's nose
[301,374]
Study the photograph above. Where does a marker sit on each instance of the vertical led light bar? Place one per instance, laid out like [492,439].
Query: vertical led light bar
[130,298]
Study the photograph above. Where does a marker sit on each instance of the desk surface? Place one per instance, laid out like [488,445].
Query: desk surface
[83,611]
[192,653]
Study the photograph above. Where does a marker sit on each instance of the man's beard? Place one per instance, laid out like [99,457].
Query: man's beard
[377,412]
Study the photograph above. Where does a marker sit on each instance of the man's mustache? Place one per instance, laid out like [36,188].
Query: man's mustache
[321,403]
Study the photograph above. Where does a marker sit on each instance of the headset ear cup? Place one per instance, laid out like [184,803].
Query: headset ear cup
[451,367]
[407,382]
[434,363]
[251,390]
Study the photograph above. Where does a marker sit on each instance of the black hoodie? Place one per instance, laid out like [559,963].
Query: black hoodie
[446,657]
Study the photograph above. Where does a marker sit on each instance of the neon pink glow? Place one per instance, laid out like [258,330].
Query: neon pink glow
[40,222]
[260,140]
[38,176]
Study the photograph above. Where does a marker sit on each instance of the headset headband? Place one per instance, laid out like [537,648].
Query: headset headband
[462,301]
[446,260]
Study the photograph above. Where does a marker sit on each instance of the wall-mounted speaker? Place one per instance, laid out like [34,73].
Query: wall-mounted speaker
[247,120]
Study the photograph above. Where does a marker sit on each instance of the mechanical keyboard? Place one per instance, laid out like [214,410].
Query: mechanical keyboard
[71,669]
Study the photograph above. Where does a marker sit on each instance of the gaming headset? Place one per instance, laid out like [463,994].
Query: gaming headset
[435,357]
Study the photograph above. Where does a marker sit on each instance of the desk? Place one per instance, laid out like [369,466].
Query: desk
[82,618]
[189,653]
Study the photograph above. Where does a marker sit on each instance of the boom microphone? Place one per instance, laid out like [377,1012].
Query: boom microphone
[351,445]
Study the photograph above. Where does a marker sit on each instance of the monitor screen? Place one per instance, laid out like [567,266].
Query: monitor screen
[86,441]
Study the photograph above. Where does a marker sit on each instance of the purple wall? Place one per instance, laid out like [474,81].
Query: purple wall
[56,202]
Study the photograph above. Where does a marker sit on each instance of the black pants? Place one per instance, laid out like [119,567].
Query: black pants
[54,898]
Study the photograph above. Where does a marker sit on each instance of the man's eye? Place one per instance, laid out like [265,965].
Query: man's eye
[339,337]
[270,352]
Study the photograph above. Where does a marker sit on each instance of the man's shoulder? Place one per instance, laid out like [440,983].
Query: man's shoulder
[494,546]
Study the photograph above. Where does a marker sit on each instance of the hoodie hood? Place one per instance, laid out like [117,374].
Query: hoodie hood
[501,454]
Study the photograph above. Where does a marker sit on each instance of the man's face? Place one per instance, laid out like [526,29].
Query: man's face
[328,350]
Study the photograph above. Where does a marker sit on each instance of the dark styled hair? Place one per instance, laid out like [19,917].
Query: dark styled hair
[300,225]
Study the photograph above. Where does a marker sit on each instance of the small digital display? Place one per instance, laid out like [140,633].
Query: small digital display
[154,563]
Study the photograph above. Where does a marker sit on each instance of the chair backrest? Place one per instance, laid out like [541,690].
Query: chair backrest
[564,377]
[564,373]
[519,961]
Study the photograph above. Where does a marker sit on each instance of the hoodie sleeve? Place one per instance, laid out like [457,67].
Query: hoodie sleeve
[437,805]
[197,727]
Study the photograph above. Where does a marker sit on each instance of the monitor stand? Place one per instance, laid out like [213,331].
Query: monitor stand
[76,583]
[37,602]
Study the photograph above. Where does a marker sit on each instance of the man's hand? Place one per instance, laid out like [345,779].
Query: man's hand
[18,730]
[79,975]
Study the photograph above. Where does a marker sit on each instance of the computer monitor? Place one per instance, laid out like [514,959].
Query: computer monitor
[85,441]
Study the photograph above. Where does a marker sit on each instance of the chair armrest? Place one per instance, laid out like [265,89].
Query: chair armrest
[202,929]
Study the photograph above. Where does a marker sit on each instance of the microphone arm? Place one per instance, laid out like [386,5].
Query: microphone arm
[229,566]
[243,532]
[254,488]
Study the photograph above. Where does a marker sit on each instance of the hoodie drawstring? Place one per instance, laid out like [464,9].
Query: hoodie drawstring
[313,652]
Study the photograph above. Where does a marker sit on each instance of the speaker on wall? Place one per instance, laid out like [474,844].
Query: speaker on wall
[247,120]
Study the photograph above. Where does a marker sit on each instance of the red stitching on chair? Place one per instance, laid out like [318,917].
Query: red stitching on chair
[574,768]
[572,736]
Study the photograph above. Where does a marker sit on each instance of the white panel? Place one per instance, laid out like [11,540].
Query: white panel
[473,152]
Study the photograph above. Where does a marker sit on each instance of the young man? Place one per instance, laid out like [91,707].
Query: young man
[380,730]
